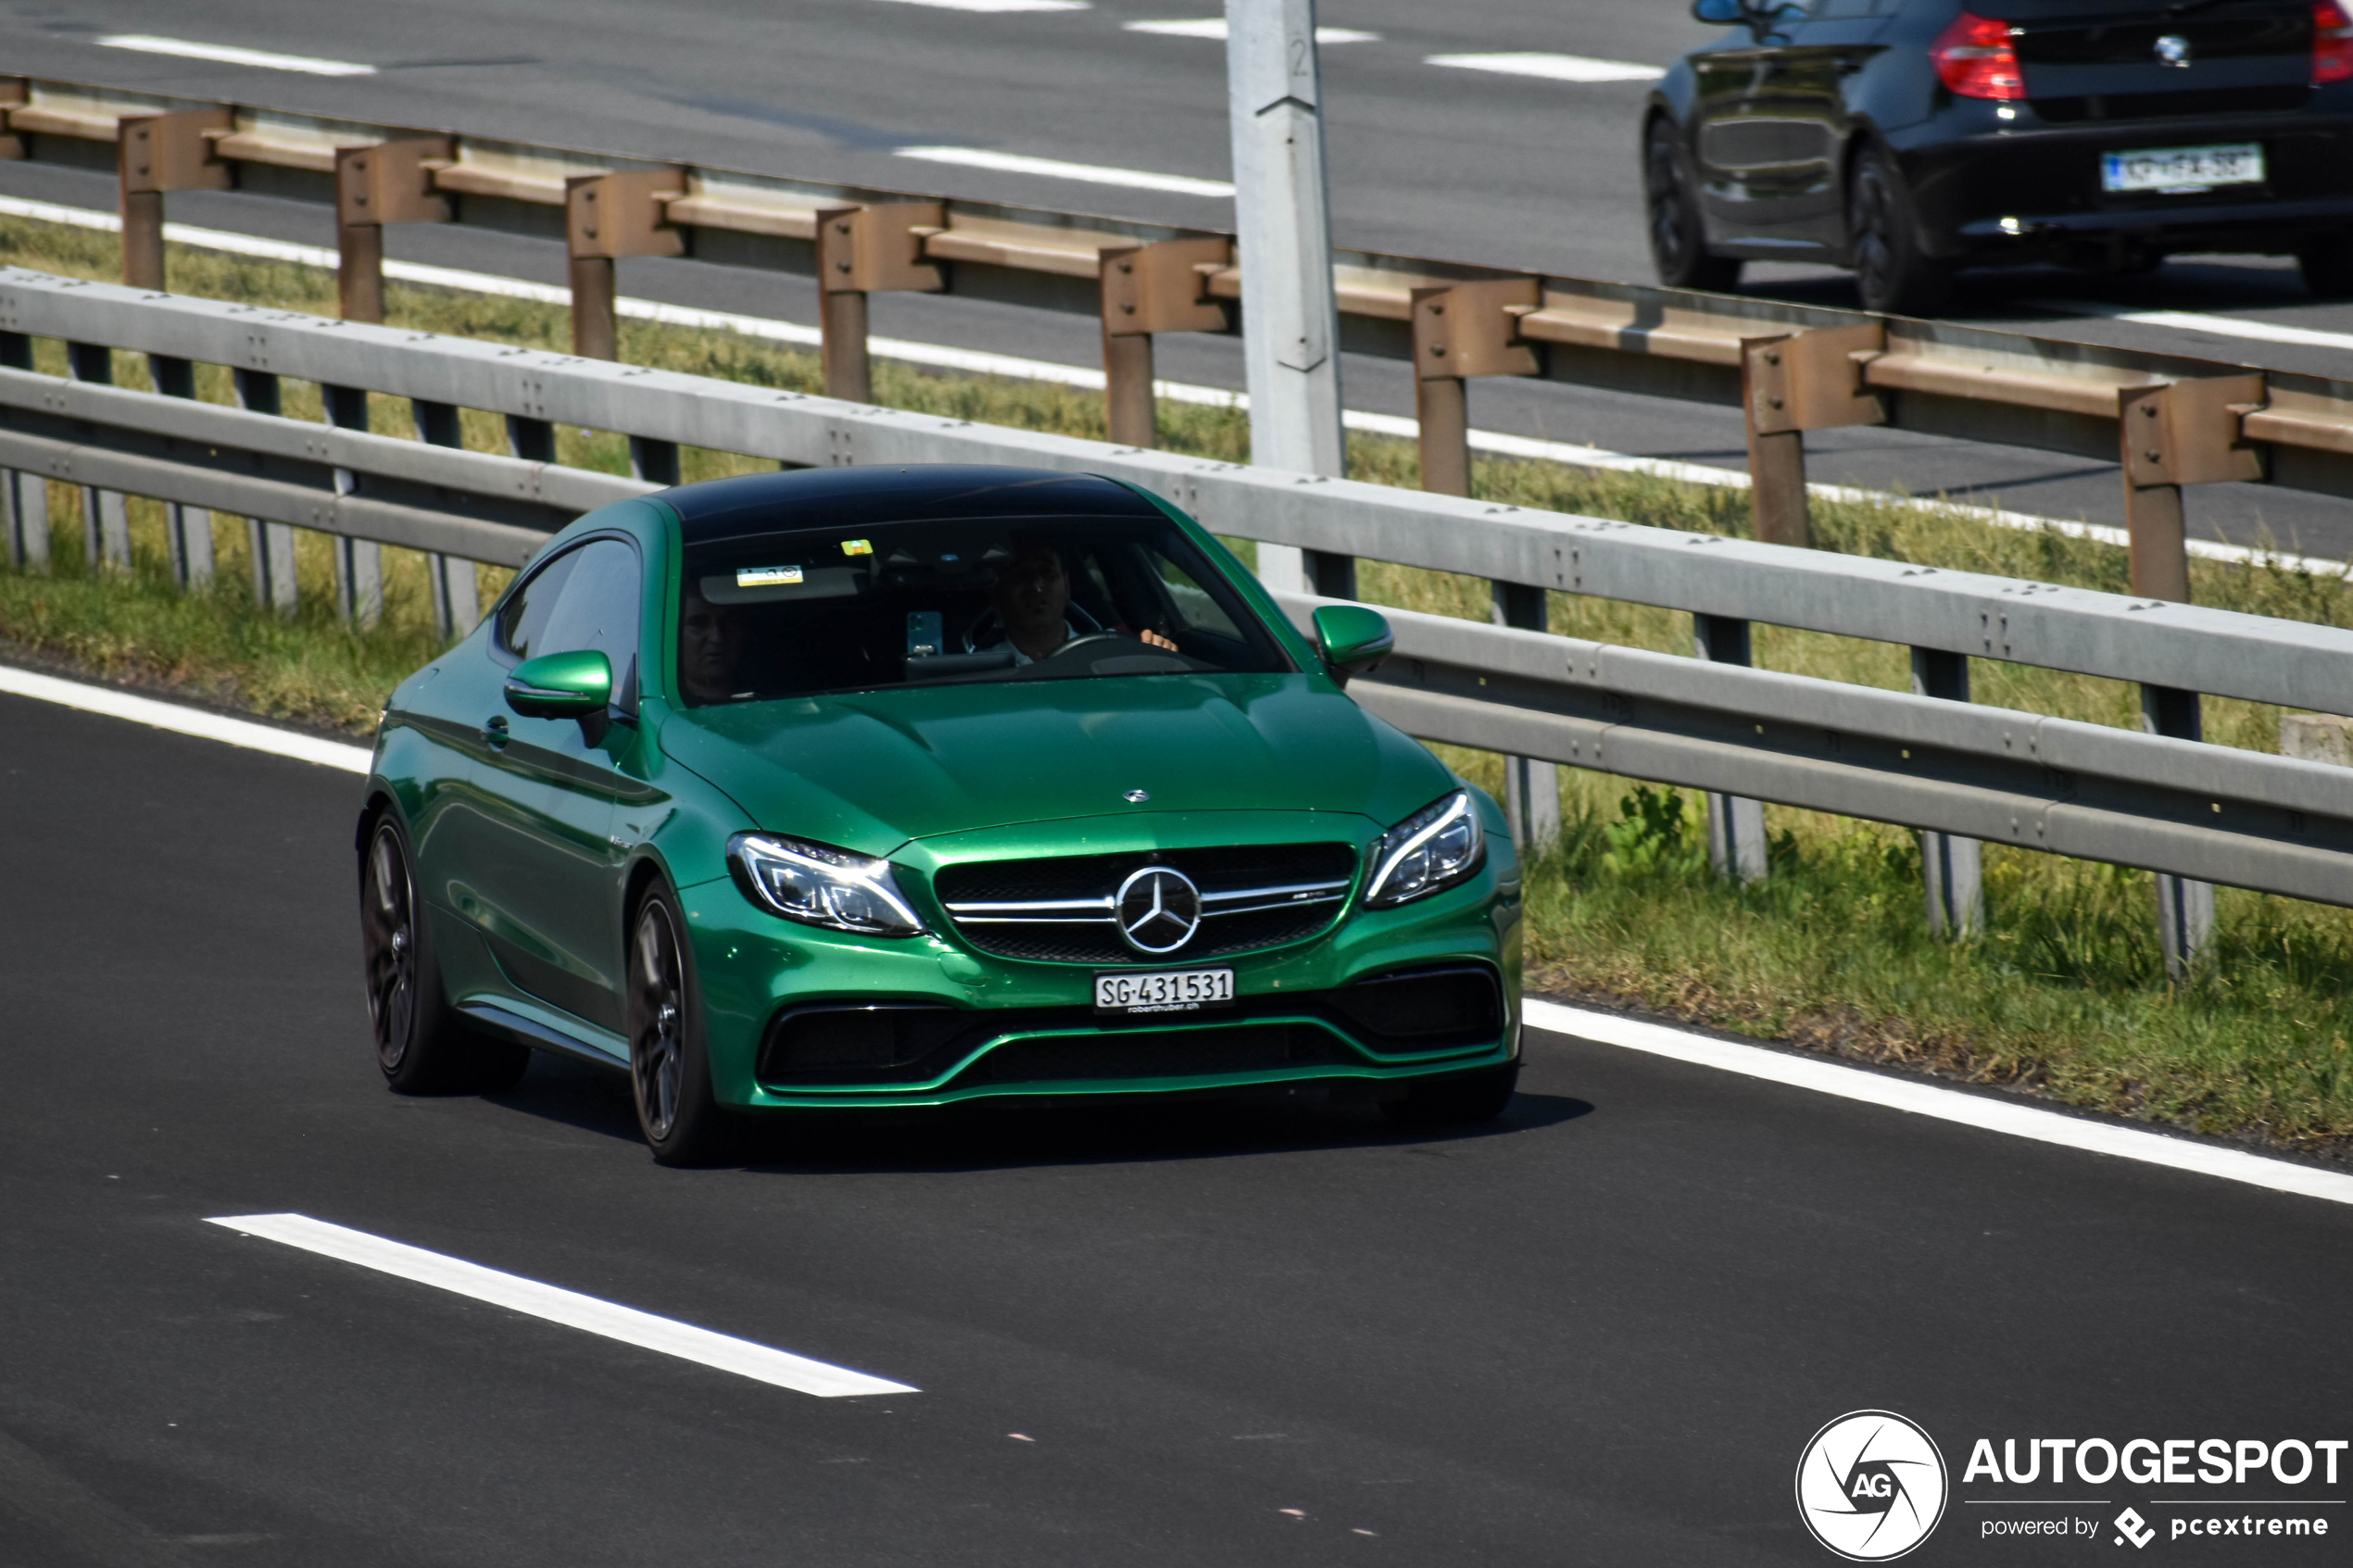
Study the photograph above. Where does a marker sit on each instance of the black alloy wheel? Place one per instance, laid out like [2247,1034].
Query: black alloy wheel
[1456,1099]
[1882,241]
[423,1046]
[670,1078]
[1679,240]
[2327,265]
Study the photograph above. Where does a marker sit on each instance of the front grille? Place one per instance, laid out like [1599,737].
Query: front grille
[2100,107]
[1168,1053]
[1059,909]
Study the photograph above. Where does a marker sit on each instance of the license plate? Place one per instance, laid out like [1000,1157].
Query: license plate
[1175,990]
[2171,170]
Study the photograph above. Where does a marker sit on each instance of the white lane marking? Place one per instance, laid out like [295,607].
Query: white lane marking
[2198,322]
[1000,5]
[1557,68]
[759,1362]
[226,54]
[980,362]
[1929,1099]
[1215,28]
[1055,168]
[183,721]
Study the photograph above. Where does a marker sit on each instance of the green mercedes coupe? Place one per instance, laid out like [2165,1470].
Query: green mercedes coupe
[847,788]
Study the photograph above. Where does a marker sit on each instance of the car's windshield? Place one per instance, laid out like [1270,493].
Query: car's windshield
[796,612]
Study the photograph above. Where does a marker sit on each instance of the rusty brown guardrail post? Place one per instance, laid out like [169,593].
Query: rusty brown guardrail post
[381,183]
[608,216]
[1461,331]
[155,154]
[1150,289]
[1791,384]
[863,250]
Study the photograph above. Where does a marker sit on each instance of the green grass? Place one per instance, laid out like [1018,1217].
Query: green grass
[2064,994]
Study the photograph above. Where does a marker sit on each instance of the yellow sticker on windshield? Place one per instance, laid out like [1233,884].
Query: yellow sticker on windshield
[856,547]
[766,576]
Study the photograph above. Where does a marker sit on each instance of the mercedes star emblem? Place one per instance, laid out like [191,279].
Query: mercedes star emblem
[1136,796]
[1158,909]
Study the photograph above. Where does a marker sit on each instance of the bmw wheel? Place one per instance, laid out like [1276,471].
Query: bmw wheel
[422,1045]
[669,1074]
[1679,243]
[1882,239]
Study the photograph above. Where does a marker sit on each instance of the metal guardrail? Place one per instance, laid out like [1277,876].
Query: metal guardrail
[2184,810]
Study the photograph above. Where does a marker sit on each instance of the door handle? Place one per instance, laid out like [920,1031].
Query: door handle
[494,731]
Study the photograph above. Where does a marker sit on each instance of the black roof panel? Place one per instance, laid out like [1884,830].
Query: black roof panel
[854,498]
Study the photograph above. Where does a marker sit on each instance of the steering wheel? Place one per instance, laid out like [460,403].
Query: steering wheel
[989,627]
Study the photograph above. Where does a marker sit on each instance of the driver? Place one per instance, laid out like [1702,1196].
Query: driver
[710,644]
[1032,596]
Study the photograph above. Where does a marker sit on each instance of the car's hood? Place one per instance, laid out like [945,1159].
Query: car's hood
[869,770]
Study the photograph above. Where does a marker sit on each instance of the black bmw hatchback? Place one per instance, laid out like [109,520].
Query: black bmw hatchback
[1906,139]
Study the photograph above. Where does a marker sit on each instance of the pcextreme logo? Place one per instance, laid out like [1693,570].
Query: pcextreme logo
[1870,1485]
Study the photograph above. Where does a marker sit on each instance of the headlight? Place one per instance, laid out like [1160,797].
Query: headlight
[1437,846]
[819,885]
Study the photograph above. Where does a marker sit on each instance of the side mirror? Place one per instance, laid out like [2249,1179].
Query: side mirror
[1720,13]
[1352,639]
[561,685]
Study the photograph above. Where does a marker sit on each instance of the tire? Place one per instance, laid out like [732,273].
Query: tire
[2328,266]
[423,1046]
[669,1071]
[1882,239]
[1679,238]
[1456,1098]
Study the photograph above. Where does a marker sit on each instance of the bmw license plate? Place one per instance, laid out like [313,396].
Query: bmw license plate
[2182,169]
[1175,990]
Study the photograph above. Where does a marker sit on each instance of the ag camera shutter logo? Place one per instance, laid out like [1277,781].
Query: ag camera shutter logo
[1871,1485]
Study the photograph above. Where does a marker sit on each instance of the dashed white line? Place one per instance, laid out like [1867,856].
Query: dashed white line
[759,1362]
[1054,169]
[229,54]
[1930,1099]
[1215,28]
[1000,4]
[183,721]
[2198,322]
[1557,68]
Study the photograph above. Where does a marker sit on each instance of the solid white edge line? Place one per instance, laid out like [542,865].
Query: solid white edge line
[183,721]
[230,54]
[2198,322]
[1923,1099]
[1549,68]
[762,1363]
[1056,168]
[981,362]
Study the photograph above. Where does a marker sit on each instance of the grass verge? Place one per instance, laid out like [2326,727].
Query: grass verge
[2063,995]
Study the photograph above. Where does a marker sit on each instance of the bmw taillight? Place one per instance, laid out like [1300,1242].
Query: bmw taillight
[2331,43]
[1974,58]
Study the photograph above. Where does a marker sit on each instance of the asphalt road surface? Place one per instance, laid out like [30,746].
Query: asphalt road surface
[1599,1332]
[1428,159]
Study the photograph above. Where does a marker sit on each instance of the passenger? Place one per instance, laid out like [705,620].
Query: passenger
[710,646]
[1031,596]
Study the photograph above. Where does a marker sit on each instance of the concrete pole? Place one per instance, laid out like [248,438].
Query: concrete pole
[1291,319]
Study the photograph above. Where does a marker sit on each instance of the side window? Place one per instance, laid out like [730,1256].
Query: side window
[597,608]
[523,621]
[1201,611]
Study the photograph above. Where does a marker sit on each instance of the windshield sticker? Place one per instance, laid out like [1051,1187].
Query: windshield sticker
[766,576]
[856,547]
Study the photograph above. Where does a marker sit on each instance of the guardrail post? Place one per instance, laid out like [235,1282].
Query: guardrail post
[1952,867]
[2171,436]
[387,183]
[532,440]
[656,462]
[155,154]
[1290,311]
[457,599]
[1461,331]
[608,216]
[862,250]
[27,493]
[272,544]
[1735,826]
[106,516]
[359,572]
[187,530]
[1531,787]
[1790,384]
[1149,289]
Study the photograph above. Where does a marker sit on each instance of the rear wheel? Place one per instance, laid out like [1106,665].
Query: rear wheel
[2328,266]
[1882,238]
[669,1072]
[1679,242]
[423,1044]
[1456,1099]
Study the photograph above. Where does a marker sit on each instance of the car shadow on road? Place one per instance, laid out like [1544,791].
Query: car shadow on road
[1029,1133]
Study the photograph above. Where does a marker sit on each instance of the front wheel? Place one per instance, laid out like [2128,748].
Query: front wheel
[1679,242]
[669,1072]
[423,1046]
[1892,273]
[1456,1099]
